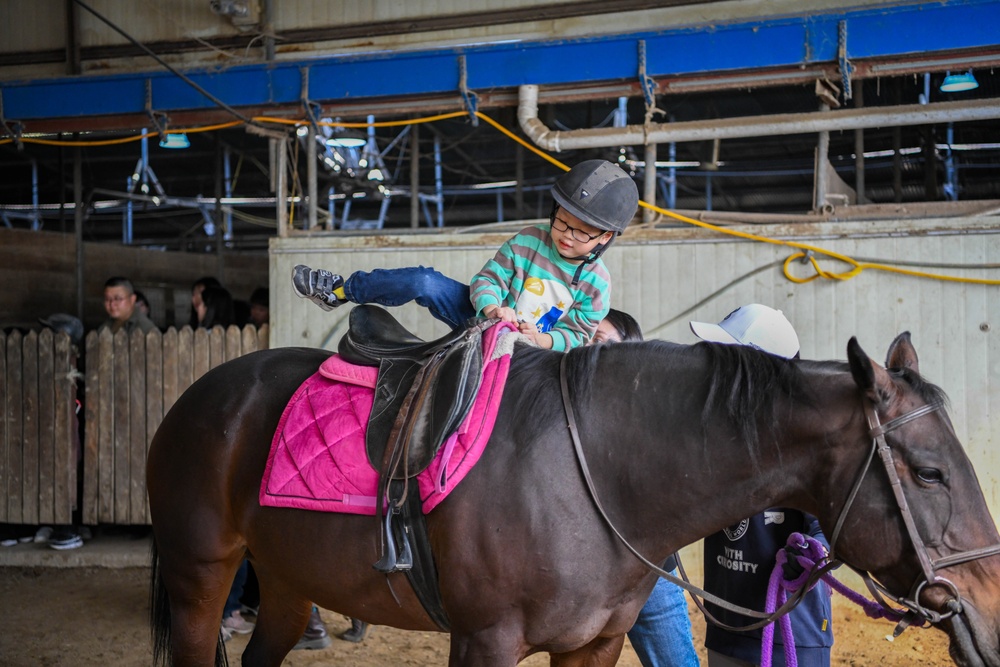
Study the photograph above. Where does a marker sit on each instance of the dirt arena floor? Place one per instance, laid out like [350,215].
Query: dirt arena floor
[95,617]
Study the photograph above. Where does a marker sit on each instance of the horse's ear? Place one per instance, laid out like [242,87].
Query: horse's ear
[901,354]
[871,377]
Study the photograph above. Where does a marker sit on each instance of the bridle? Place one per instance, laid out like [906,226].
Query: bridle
[929,567]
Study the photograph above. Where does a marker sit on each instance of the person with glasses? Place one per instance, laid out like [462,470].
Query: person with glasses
[119,304]
[549,278]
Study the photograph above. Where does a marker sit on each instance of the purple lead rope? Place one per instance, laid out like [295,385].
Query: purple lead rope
[809,553]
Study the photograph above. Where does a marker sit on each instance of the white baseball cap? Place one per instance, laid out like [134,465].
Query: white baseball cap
[755,325]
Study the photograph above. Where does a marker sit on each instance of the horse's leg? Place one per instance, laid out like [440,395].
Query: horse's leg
[281,619]
[601,652]
[197,597]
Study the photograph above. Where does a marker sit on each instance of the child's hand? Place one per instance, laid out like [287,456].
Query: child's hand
[527,328]
[504,313]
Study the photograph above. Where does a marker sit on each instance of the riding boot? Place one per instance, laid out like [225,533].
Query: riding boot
[315,636]
[356,633]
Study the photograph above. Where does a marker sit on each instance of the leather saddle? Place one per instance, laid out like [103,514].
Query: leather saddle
[424,389]
[423,393]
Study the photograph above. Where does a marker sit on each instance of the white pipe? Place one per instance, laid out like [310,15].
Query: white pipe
[736,128]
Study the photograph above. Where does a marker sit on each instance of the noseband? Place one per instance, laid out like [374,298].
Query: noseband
[928,566]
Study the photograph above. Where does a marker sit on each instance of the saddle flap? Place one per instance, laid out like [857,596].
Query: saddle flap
[418,405]
[395,377]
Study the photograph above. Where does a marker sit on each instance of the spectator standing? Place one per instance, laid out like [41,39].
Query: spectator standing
[260,307]
[738,560]
[197,287]
[119,304]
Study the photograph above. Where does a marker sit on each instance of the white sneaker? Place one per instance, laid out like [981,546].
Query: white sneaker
[236,623]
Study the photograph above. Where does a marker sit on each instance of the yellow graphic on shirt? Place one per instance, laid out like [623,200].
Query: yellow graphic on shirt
[543,302]
[535,286]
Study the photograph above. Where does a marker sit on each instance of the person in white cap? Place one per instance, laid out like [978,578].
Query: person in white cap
[753,325]
[738,560]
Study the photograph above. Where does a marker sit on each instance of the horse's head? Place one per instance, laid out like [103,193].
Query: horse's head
[937,552]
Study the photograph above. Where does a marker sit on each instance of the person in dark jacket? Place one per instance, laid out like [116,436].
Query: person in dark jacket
[739,560]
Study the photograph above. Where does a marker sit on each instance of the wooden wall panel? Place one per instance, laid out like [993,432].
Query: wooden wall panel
[47,443]
[4,428]
[106,417]
[154,405]
[15,431]
[67,432]
[122,422]
[29,448]
[137,429]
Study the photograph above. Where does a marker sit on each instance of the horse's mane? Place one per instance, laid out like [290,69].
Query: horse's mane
[744,383]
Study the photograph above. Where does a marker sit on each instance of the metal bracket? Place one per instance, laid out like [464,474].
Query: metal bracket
[846,68]
[645,81]
[14,129]
[468,96]
[159,119]
[313,109]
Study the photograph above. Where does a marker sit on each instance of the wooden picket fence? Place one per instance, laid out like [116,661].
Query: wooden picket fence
[131,382]
[39,442]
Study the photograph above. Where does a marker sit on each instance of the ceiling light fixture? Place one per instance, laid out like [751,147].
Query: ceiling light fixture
[958,83]
[175,140]
[346,139]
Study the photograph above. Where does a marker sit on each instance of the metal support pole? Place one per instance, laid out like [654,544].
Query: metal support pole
[859,148]
[499,206]
[950,170]
[227,174]
[438,186]
[73,61]
[519,182]
[311,175]
[268,30]
[708,191]
[672,182]
[217,218]
[415,177]
[820,177]
[36,215]
[649,182]
[382,210]
[280,186]
[127,221]
[78,223]
[331,210]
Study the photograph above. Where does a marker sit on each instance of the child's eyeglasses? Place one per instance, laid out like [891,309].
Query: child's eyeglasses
[578,234]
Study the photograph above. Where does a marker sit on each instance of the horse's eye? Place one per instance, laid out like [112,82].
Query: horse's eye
[930,475]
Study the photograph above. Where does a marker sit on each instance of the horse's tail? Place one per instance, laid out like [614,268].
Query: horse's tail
[159,611]
[159,617]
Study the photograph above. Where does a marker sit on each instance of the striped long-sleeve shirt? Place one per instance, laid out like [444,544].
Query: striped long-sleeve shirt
[528,275]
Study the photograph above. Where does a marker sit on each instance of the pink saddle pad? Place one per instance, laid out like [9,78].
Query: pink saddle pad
[318,459]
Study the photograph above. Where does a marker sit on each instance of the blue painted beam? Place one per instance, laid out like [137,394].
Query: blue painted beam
[879,33]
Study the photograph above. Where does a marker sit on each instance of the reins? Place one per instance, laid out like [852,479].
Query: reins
[928,566]
[683,583]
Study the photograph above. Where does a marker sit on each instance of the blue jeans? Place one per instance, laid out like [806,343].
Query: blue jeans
[661,635]
[236,591]
[447,299]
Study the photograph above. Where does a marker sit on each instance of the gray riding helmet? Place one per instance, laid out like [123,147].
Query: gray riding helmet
[599,193]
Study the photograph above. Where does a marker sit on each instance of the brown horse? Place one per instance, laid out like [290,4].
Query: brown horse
[681,442]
